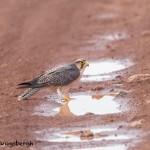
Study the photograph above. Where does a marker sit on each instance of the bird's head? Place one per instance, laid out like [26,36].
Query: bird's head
[81,64]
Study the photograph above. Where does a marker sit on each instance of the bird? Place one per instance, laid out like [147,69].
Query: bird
[60,78]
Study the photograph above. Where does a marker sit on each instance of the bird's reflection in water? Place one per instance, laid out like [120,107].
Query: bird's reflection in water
[84,135]
[84,104]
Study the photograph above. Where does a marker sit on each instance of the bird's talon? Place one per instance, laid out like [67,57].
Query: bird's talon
[67,99]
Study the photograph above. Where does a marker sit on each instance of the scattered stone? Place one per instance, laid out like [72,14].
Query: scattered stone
[118,76]
[122,93]
[138,78]
[112,50]
[148,101]
[137,123]
[111,90]
[88,16]
[108,46]
[112,120]
[121,126]
[86,133]
[46,97]
[90,113]
[80,87]
[97,88]
[146,33]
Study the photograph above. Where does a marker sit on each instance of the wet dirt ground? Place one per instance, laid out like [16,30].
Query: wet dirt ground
[111,105]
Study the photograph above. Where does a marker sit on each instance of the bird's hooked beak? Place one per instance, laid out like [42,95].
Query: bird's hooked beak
[86,63]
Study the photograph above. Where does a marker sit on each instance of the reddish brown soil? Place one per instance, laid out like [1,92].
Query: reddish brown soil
[37,35]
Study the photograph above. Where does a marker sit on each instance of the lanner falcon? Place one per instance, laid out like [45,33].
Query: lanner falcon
[61,78]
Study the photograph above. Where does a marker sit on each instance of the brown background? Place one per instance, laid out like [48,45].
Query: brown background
[39,34]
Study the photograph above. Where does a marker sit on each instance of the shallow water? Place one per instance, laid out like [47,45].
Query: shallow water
[104,66]
[106,16]
[100,42]
[84,104]
[114,36]
[101,138]
[114,147]
[89,135]
[77,138]
[104,69]
[89,103]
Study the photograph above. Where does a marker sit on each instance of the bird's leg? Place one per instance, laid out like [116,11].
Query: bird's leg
[63,93]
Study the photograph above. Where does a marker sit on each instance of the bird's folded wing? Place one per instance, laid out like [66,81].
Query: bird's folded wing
[60,77]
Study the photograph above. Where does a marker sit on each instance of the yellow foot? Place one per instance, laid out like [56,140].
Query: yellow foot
[67,99]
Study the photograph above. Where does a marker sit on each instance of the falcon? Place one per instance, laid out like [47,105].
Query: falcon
[61,78]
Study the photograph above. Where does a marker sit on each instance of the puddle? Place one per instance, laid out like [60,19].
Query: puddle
[103,70]
[107,16]
[104,138]
[105,66]
[86,138]
[114,147]
[114,37]
[97,78]
[89,135]
[100,42]
[44,109]
[91,103]
[84,104]
[95,134]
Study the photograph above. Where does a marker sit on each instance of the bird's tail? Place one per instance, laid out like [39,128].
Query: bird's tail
[28,93]
[24,85]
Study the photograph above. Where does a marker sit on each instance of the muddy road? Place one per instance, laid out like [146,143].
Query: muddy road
[111,105]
